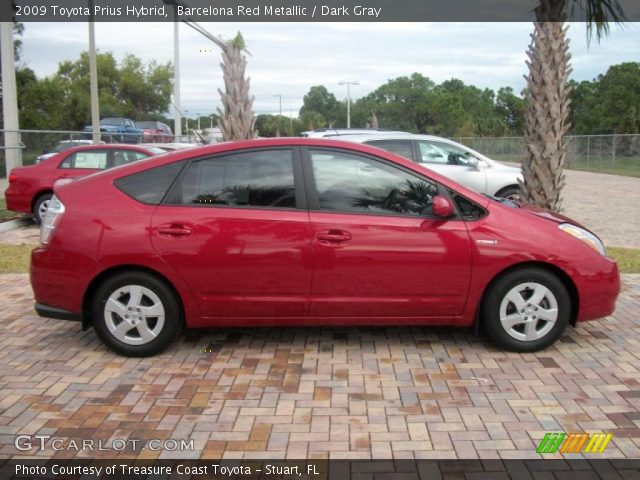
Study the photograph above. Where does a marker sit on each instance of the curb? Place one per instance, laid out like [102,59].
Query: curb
[13,224]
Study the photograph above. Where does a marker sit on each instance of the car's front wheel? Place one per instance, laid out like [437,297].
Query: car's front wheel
[136,314]
[40,207]
[526,310]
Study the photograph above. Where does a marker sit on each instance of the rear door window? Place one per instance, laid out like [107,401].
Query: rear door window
[399,147]
[246,179]
[90,159]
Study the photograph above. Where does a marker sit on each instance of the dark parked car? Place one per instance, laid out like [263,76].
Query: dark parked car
[31,188]
[293,232]
[118,130]
[155,132]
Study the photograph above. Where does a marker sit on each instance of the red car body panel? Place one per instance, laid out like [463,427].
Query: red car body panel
[28,183]
[245,266]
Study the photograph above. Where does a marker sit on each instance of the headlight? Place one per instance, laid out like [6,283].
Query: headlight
[584,235]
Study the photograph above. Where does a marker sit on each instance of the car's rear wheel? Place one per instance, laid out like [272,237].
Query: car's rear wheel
[526,310]
[510,193]
[40,207]
[136,314]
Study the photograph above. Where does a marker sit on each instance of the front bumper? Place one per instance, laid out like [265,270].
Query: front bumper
[599,291]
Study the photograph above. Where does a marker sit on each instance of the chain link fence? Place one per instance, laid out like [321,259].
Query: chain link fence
[617,154]
[34,143]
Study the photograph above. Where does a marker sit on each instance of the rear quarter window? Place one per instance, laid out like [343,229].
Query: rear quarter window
[150,186]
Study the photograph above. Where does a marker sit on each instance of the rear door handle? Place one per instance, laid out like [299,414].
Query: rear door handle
[174,230]
[333,236]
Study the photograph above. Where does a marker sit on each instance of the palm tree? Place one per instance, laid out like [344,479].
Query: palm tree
[547,110]
[237,122]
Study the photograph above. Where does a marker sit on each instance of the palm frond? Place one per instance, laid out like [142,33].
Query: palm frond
[599,15]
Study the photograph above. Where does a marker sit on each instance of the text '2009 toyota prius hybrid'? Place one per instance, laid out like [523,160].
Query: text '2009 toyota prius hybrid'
[291,232]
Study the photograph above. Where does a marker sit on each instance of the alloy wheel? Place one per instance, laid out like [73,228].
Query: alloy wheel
[134,314]
[528,311]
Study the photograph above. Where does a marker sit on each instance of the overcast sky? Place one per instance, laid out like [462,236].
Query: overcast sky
[289,58]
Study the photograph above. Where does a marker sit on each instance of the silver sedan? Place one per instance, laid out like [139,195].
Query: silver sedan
[451,159]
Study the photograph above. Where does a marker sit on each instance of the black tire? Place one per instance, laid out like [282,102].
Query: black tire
[39,207]
[543,332]
[167,330]
[510,192]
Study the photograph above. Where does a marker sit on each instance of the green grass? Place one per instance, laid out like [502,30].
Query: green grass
[628,258]
[4,213]
[15,258]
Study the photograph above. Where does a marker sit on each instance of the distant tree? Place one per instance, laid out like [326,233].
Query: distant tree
[129,89]
[268,125]
[618,93]
[40,101]
[510,109]
[144,89]
[320,108]
[402,103]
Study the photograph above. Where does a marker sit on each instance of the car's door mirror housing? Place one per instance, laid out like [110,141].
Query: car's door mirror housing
[442,207]
[474,162]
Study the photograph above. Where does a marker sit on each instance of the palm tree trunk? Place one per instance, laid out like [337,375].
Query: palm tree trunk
[238,120]
[546,115]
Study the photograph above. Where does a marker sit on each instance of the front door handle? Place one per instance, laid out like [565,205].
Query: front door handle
[174,230]
[333,236]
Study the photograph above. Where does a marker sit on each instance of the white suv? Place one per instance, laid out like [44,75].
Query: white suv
[448,158]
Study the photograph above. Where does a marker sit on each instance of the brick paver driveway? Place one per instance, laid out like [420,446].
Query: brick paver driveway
[339,392]
[320,393]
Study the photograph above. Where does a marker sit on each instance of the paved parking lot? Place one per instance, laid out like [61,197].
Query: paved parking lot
[338,393]
[607,204]
[325,393]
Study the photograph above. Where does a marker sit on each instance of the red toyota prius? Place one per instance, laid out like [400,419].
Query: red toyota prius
[291,232]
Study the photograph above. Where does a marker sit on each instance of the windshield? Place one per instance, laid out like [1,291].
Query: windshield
[62,146]
[117,122]
[150,125]
[155,150]
[504,201]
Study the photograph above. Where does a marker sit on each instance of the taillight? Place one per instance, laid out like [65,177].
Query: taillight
[51,220]
[12,177]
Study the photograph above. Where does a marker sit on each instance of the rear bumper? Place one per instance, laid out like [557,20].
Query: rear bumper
[17,202]
[57,313]
[58,288]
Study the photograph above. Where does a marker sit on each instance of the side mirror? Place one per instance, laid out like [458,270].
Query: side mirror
[442,206]
[474,162]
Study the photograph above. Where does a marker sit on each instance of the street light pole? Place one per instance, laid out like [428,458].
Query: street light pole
[348,83]
[93,80]
[177,114]
[198,115]
[12,152]
[280,114]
